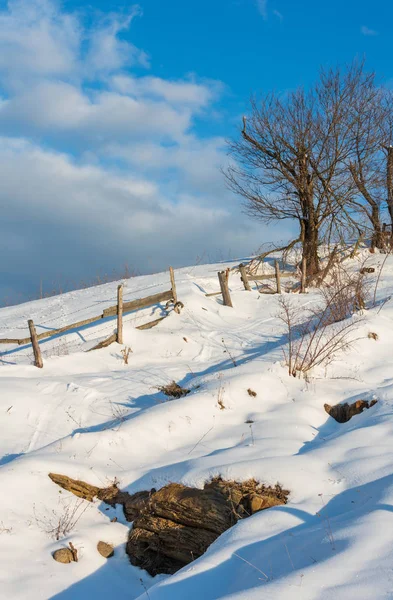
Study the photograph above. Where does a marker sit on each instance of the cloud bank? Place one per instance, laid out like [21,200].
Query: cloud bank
[99,165]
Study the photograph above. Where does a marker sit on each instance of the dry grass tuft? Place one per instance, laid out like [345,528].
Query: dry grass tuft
[125,352]
[173,390]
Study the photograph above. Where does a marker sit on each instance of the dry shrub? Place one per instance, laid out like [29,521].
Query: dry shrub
[173,390]
[126,354]
[344,295]
[59,523]
[372,336]
[220,395]
[315,337]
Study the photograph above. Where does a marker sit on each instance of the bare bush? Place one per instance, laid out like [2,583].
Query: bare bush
[4,529]
[315,337]
[344,294]
[126,354]
[59,523]
[220,394]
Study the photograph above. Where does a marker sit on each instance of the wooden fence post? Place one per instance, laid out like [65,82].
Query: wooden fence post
[244,278]
[224,288]
[173,284]
[120,314]
[278,280]
[36,347]
[303,282]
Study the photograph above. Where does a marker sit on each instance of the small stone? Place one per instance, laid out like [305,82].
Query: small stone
[63,555]
[258,502]
[106,550]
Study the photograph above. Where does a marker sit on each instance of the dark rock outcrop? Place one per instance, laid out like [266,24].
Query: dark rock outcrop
[344,412]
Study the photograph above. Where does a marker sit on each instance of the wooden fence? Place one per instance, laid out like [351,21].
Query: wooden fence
[223,278]
[116,310]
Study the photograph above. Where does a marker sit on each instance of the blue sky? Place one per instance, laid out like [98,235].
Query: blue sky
[113,119]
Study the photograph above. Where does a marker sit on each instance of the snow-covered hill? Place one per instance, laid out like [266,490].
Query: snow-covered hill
[90,416]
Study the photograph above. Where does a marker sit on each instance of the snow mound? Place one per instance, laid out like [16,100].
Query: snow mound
[91,417]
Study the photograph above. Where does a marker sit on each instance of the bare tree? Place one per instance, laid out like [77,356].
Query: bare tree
[371,162]
[291,161]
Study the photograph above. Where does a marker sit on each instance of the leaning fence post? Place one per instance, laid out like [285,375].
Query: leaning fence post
[224,288]
[120,314]
[173,284]
[303,282]
[36,347]
[278,280]
[244,278]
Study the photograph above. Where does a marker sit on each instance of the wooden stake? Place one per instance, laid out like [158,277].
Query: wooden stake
[36,347]
[173,284]
[303,282]
[224,289]
[278,281]
[120,314]
[244,277]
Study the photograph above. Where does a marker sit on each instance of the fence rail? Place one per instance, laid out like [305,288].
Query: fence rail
[116,310]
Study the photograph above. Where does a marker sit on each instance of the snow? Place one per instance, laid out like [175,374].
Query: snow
[89,416]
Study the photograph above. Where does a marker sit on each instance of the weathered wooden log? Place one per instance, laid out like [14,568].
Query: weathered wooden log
[120,314]
[139,303]
[76,487]
[173,284]
[223,279]
[151,324]
[52,332]
[36,347]
[105,343]
[244,277]
[270,276]
[214,294]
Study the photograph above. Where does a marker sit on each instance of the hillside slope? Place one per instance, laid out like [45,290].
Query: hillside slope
[90,416]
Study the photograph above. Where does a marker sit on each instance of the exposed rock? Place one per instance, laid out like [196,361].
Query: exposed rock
[344,412]
[178,523]
[207,509]
[248,497]
[163,546]
[63,555]
[134,504]
[106,550]
[86,490]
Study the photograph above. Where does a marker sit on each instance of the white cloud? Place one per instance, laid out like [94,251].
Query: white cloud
[183,92]
[87,143]
[367,31]
[279,15]
[37,40]
[107,53]
[73,208]
[262,7]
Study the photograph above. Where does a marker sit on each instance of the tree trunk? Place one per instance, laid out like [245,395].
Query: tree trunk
[377,240]
[310,247]
[389,183]
[309,225]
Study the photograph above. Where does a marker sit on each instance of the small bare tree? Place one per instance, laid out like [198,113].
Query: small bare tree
[291,160]
[371,161]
